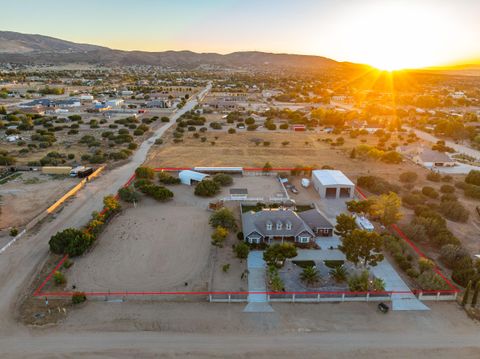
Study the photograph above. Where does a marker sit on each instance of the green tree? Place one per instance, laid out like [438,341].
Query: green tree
[386,207]
[145,172]
[277,254]
[207,188]
[475,294]
[71,241]
[309,275]
[466,294]
[339,274]
[345,225]
[128,194]
[223,217]
[223,179]
[267,167]
[363,247]
[241,250]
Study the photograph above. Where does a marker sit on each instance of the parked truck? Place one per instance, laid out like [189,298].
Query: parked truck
[85,173]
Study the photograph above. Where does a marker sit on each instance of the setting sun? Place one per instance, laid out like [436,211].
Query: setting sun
[393,36]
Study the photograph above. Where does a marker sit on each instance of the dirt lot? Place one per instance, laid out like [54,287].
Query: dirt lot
[153,247]
[26,196]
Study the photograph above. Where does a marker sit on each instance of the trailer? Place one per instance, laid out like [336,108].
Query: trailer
[85,173]
[53,170]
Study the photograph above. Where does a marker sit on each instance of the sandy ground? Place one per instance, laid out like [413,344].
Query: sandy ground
[20,201]
[153,247]
[214,330]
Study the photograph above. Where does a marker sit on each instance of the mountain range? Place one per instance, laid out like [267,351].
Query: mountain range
[38,49]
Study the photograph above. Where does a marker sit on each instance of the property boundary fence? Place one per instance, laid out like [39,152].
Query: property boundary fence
[231,296]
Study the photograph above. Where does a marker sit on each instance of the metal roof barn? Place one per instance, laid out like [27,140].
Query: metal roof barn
[189,177]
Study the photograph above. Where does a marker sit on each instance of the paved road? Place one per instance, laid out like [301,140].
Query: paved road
[21,261]
[457,147]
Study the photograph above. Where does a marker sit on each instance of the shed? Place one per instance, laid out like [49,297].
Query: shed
[191,177]
[332,184]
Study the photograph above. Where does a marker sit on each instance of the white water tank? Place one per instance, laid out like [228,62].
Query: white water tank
[305,182]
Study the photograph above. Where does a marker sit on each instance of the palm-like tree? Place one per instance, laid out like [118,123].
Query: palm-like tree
[339,274]
[309,275]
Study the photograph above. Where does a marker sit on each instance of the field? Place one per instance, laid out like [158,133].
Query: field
[29,194]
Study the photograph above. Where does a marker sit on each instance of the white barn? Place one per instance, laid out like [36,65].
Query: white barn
[189,177]
[332,184]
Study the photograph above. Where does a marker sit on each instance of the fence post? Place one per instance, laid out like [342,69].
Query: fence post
[229,298]
[455,295]
[209,297]
[293,298]
[343,297]
[268,297]
[438,296]
[318,297]
[420,295]
[368,297]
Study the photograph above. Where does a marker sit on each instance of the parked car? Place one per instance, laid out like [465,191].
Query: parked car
[383,307]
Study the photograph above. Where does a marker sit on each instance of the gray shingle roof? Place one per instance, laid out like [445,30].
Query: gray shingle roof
[257,222]
[314,219]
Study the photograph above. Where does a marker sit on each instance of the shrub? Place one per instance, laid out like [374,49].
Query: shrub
[454,211]
[128,194]
[241,250]
[416,232]
[473,177]
[223,179]
[443,238]
[425,264]
[167,178]
[78,297]
[430,280]
[448,197]
[434,176]
[408,177]
[223,217]
[13,232]
[59,278]
[159,193]
[446,188]
[219,235]
[231,131]
[412,273]
[463,275]
[472,191]
[158,141]
[450,254]
[430,192]
[414,199]
[377,185]
[145,172]
[207,188]
[71,241]
[240,236]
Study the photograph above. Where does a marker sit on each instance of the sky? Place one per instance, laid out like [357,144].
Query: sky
[389,34]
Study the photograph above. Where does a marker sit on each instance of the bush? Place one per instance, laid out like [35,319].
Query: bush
[128,194]
[454,211]
[434,177]
[451,254]
[240,236]
[430,192]
[145,172]
[13,232]
[231,131]
[446,188]
[223,179]
[159,193]
[430,280]
[167,178]
[472,191]
[78,297]
[241,250]
[71,241]
[463,275]
[377,185]
[448,197]
[413,199]
[412,273]
[416,232]
[207,188]
[219,235]
[473,177]
[408,177]
[224,218]
[59,278]
[425,264]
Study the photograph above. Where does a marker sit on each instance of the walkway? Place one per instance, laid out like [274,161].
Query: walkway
[257,300]
[393,282]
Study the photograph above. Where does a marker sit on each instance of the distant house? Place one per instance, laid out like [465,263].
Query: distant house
[283,224]
[430,158]
[426,157]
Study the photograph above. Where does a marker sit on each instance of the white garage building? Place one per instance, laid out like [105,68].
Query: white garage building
[191,177]
[332,184]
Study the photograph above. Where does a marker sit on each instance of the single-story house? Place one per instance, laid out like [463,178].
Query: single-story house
[431,158]
[283,224]
[332,184]
[189,177]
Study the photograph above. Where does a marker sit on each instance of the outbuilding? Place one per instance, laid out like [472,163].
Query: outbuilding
[332,184]
[189,177]
[239,193]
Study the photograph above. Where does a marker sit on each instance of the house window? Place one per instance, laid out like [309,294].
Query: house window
[279,225]
[303,239]
[269,226]
[288,226]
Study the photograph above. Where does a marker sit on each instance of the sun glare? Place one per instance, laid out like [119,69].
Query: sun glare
[395,36]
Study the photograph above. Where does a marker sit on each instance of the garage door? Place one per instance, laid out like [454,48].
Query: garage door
[331,192]
[344,192]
